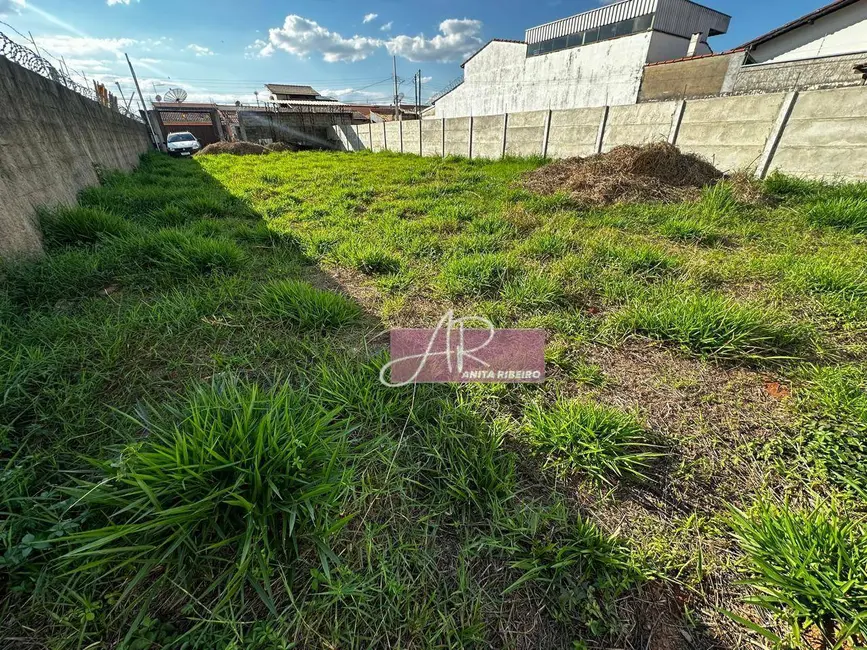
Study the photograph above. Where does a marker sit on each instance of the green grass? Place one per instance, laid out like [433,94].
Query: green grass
[710,324]
[589,438]
[196,450]
[308,307]
[808,568]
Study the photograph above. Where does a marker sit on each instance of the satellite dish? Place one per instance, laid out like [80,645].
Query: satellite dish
[159,98]
[176,95]
[237,102]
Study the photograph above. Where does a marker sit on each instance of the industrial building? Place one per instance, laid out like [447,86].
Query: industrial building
[826,48]
[595,58]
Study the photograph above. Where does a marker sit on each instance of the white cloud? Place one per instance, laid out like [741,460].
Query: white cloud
[387,26]
[84,46]
[458,38]
[200,50]
[353,95]
[369,17]
[118,2]
[302,37]
[8,7]
[426,80]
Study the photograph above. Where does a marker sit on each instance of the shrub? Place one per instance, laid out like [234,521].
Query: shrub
[307,307]
[590,438]
[476,275]
[73,226]
[710,324]
[220,491]
[846,213]
[809,568]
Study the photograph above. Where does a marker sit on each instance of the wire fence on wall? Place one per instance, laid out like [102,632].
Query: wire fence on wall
[34,62]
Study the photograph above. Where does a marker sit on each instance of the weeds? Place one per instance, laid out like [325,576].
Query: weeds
[307,307]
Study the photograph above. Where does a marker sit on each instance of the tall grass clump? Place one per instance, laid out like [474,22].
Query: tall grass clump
[593,439]
[710,324]
[807,568]
[481,275]
[81,226]
[845,213]
[307,307]
[370,260]
[222,490]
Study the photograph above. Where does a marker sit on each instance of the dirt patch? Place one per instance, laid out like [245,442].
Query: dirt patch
[656,172]
[234,148]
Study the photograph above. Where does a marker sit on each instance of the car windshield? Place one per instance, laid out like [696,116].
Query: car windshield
[181,137]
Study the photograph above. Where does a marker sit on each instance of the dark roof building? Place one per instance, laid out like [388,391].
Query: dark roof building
[291,91]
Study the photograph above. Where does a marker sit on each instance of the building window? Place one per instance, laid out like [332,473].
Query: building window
[603,33]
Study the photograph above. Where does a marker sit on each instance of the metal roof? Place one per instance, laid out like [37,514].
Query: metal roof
[680,17]
[290,89]
[798,22]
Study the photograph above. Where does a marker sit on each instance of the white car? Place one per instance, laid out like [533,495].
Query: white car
[182,143]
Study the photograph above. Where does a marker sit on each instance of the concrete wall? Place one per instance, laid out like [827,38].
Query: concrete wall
[692,78]
[392,136]
[502,79]
[809,74]
[525,133]
[811,134]
[412,137]
[50,140]
[574,132]
[458,136]
[825,136]
[488,137]
[638,124]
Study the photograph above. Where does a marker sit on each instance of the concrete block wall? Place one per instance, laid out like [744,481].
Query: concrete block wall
[638,124]
[826,136]
[50,140]
[488,135]
[813,134]
[574,132]
[393,136]
[731,132]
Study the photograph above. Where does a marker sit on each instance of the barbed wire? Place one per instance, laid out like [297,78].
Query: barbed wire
[34,62]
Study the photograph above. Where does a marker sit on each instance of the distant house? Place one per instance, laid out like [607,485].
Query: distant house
[291,92]
[826,48]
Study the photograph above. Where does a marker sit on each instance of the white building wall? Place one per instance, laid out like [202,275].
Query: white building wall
[502,79]
[842,32]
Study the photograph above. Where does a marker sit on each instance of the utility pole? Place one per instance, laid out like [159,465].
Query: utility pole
[394,74]
[418,101]
[143,105]
[120,90]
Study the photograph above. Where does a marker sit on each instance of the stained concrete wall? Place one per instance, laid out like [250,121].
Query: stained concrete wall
[574,132]
[731,132]
[811,134]
[458,136]
[638,124]
[811,74]
[392,136]
[378,139]
[692,78]
[432,137]
[50,140]
[825,136]
[525,133]
[488,137]
[412,137]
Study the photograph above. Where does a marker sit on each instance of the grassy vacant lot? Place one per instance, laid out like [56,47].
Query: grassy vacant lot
[196,451]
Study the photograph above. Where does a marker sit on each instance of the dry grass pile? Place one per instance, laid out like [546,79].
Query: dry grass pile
[234,148]
[656,172]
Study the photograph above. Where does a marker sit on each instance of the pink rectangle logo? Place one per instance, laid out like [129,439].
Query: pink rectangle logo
[465,350]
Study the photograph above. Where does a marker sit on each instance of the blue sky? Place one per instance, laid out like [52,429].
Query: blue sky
[226,49]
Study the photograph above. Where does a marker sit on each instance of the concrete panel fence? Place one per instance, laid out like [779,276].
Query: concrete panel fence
[813,134]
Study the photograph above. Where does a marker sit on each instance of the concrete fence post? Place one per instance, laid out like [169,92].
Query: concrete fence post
[505,129]
[470,143]
[776,133]
[400,131]
[369,136]
[384,137]
[420,141]
[676,121]
[600,136]
[546,134]
[443,124]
